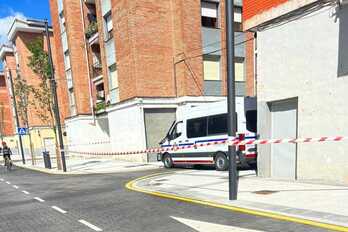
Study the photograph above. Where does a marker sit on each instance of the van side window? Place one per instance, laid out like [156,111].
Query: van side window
[197,127]
[251,120]
[217,124]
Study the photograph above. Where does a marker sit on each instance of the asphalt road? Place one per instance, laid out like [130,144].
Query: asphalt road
[101,202]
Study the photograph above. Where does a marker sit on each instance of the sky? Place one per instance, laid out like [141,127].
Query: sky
[9,9]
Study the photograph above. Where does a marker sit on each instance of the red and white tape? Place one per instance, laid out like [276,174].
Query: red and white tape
[232,142]
[90,143]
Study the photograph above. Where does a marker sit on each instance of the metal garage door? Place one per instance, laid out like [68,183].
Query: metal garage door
[284,125]
[157,123]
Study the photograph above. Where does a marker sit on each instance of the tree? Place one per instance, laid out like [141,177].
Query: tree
[42,95]
[22,90]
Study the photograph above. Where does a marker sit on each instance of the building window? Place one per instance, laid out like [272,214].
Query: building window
[113,84]
[211,66]
[239,69]
[62,22]
[113,76]
[72,101]
[209,14]
[108,26]
[67,60]
[238,14]
[238,27]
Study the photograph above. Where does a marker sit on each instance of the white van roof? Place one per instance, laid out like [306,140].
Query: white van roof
[206,109]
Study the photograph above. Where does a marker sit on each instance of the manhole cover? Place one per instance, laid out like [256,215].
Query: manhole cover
[265,192]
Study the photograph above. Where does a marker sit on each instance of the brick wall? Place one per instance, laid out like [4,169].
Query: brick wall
[223,45]
[149,37]
[72,13]
[249,65]
[22,40]
[75,35]
[6,116]
[58,61]
[255,7]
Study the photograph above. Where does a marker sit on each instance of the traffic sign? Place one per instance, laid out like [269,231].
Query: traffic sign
[22,131]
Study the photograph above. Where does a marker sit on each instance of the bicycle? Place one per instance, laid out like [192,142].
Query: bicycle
[8,163]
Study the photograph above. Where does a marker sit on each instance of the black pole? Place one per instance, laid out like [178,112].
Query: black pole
[231,100]
[55,98]
[16,114]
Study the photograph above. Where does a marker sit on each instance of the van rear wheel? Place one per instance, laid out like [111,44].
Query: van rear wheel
[221,162]
[167,161]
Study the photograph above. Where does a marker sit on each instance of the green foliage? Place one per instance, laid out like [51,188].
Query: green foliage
[42,96]
[100,106]
[91,29]
[38,60]
[22,91]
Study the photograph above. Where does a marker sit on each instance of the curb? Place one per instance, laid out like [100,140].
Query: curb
[132,185]
[42,170]
[56,172]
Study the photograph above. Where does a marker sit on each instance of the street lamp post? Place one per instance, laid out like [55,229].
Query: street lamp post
[16,114]
[55,98]
[231,99]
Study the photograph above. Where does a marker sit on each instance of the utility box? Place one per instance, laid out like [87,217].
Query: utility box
[47,159]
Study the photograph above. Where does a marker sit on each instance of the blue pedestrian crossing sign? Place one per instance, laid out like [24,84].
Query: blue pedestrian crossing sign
[22,131]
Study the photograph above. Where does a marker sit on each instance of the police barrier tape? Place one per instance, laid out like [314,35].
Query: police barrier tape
[231,142]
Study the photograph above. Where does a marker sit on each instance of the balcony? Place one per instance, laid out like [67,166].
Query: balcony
[91,30]
[97,70]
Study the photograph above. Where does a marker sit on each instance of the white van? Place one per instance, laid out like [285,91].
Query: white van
[208,123]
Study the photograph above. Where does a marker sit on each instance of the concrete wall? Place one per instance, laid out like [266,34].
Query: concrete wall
[127,131]
[301,59]
[83,131]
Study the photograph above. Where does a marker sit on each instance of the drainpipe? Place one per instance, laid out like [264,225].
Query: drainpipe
[87,61]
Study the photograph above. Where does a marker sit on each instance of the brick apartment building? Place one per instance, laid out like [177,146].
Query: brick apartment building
[15,58]
[131,64]
[301,69]
[6,115]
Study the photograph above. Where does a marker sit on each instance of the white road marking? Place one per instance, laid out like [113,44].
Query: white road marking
[210,227]
[39,199]
[7,182]
[93,227]
[25,192]
[15,186]
[59,209]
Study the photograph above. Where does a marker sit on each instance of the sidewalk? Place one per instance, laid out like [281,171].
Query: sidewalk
[314,202]
[78,166]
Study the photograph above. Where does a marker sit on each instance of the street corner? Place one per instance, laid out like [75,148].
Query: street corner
[176,185]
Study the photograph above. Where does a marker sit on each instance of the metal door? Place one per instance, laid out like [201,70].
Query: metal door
[284,125]
[157,123]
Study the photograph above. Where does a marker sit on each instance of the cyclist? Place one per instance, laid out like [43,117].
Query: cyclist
[6,152]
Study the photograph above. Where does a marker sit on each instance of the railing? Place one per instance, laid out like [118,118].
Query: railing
[97,69]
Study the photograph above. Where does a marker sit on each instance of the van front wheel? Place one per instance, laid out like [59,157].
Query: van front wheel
[167,161]
[221,162]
